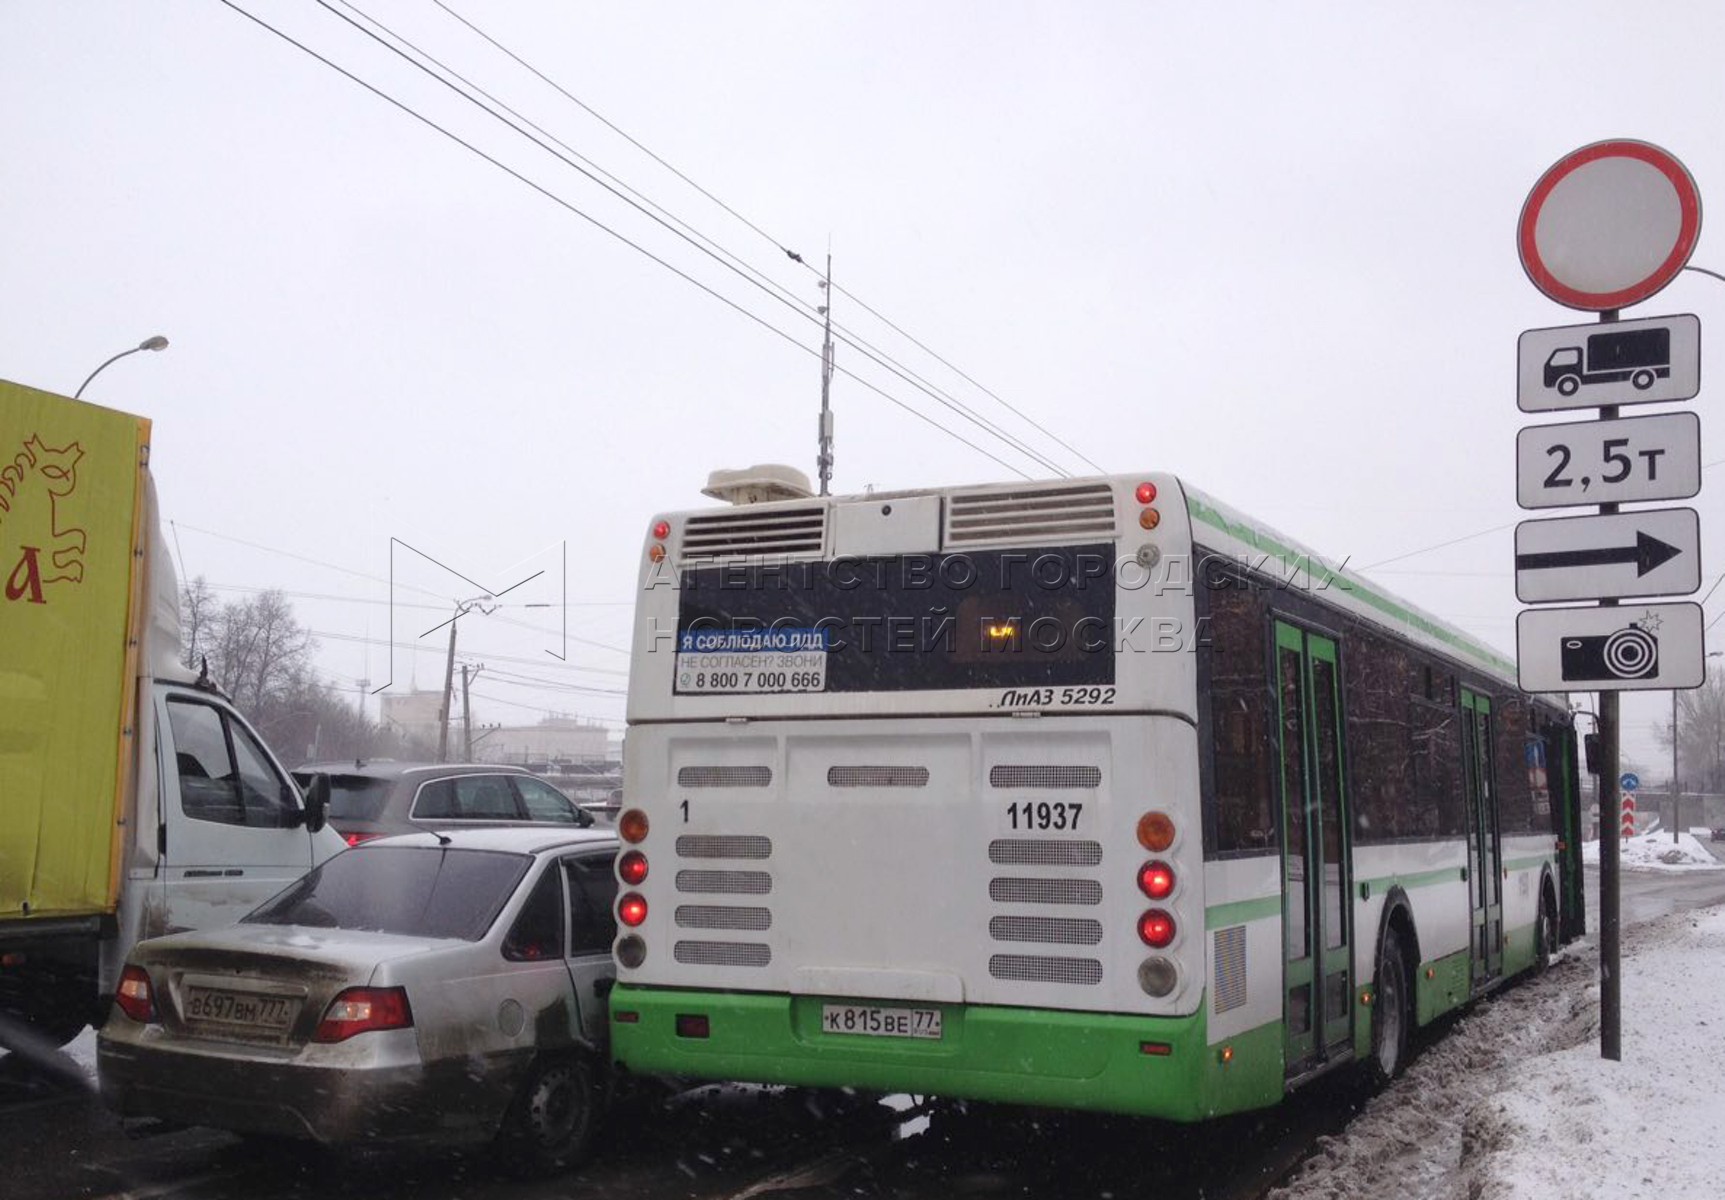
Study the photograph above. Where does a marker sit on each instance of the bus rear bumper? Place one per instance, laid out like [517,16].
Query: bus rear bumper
[1145,1066]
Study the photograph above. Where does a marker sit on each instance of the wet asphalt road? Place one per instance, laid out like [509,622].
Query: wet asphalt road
[56,1141]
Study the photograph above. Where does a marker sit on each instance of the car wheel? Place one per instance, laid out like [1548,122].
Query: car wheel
[1392,1016]
[549,1127]
[1544,936]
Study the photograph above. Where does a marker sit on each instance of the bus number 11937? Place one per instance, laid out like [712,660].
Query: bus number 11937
[1043,815]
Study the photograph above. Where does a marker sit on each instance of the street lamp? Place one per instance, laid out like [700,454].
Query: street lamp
[1676,790]
[158,342]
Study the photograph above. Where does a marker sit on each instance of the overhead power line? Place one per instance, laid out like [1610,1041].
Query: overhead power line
[425,648]
[789,253]
[662,217]
[594,221]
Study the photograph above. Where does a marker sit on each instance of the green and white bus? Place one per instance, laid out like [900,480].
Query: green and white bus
[1092,794]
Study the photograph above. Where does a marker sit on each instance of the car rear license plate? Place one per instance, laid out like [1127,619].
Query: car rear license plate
[253,1009]
[873,1021]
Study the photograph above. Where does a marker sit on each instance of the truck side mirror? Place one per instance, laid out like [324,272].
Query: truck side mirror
[317,802]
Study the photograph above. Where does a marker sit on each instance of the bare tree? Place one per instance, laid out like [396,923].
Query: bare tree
[1701,736]
[262,658]
[198,610]
[260,653]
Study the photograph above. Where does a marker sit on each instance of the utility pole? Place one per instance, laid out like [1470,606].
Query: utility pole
[466,710]
[448,685]
[1676,788]
[824,461]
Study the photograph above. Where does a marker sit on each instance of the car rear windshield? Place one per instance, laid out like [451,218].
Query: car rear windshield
[358,797]
[420,891]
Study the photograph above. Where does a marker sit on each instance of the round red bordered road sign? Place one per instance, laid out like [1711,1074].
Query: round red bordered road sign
[1609,225]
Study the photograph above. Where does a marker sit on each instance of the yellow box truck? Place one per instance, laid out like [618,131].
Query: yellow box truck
[133,801]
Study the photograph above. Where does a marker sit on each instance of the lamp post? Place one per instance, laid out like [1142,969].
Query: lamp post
[1676,788]
[158,342]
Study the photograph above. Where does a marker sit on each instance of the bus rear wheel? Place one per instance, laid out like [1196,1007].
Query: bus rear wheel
[1544,936]
[1392,1015]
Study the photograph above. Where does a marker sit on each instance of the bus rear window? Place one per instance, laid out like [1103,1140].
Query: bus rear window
[913,622]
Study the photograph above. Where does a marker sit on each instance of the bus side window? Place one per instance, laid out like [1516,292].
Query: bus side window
[1241,734]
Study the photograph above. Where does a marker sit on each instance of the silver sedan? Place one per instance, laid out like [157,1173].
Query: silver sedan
[433,987]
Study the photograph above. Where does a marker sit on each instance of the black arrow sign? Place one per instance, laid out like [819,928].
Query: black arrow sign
[1647,553]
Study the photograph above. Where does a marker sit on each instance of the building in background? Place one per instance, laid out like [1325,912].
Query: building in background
[580,755]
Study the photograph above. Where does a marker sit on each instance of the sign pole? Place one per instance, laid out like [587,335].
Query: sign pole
[1610,843]
[1609,194]
[1610,918]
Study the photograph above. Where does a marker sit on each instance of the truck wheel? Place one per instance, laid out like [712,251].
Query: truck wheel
[1642,380]
[549,1128]
[1568,385]
[1392,1016]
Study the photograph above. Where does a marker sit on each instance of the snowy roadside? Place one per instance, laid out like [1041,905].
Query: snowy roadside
[1572,1126]
[1515,1102]
[1657,851]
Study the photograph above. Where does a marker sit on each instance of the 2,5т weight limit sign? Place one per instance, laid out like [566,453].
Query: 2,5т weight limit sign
[1608,462]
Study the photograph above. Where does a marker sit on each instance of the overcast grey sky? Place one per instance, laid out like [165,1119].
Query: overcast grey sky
[1267,246]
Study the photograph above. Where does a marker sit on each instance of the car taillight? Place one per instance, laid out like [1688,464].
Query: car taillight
[354,839]
[362,1009]
[632,910]
[632,868]
[134,996]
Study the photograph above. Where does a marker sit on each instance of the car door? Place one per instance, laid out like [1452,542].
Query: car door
[234,831]
[592,887]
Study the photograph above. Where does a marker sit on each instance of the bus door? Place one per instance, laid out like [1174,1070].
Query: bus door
[1318,1017]
[1483,851]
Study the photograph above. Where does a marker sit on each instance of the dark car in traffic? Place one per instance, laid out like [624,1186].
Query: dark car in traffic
[376,799]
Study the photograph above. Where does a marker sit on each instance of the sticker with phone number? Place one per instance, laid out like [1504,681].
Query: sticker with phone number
[801,671]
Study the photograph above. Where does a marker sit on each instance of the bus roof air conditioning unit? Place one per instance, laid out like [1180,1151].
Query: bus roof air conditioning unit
[759,484]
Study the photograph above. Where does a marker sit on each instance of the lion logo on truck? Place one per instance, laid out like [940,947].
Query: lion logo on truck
[39,544]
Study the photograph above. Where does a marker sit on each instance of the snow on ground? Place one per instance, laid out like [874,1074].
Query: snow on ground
[1514,1102]
[1657,852]
[1572,1126]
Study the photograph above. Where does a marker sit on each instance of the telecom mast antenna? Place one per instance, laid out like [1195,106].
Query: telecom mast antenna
[824,460]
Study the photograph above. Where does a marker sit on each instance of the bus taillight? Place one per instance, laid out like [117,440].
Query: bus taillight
[1156,928]
[1155,831]
[632,868]
[1158,976]
[1156,880]
[632,826]
[661,530]
[1146,492]
[632,910]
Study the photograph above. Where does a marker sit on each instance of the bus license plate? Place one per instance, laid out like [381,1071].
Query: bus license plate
[241,1008]
[871,1021]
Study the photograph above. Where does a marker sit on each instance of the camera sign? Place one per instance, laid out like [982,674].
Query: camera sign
[1631,647]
